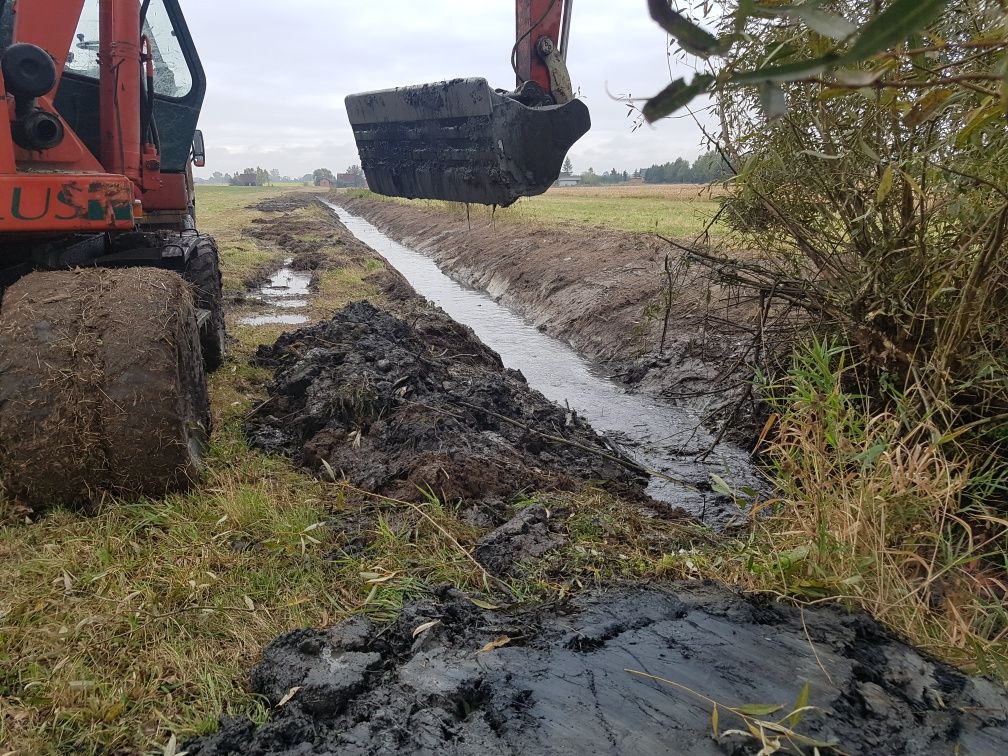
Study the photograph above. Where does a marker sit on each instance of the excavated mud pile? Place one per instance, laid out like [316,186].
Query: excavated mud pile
[450,678]
[401,403]
[285,203]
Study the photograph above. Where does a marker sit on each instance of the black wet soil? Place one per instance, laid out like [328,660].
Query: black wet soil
[286,203]
[407,403]
[451,678]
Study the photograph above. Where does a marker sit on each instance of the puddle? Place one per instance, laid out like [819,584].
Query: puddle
[264,320]
[286,290]
[665,439]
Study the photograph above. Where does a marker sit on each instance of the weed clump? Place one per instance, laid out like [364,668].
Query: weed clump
[876,214]
[886,518]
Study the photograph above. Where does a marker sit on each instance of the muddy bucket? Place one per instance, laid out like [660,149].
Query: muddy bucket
[462,141]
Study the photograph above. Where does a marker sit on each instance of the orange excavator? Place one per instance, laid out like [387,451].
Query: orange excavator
[111,300]
[111,312]
[463,141]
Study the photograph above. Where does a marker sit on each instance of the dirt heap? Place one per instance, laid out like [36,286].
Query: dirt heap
[285,203]
[451,678]
[309,239]
[314,242]
[401,403]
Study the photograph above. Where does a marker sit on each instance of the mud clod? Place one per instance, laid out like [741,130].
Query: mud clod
[526,536]
[407,403]
[287,203]
[562,686]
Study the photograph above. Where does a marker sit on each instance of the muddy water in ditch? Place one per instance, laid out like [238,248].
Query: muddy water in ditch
[284,297]
[667,440]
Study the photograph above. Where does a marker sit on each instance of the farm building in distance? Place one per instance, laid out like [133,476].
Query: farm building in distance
[568,181]
[248,178]
[351,180]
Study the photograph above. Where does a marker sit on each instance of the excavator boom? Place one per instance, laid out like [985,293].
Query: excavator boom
[463,141]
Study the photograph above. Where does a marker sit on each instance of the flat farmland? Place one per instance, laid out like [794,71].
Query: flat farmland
[675,210]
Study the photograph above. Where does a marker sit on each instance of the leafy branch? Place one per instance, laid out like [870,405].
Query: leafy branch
[853,46]
[771,734]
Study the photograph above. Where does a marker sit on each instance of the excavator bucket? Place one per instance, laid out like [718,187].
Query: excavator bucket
[462,141]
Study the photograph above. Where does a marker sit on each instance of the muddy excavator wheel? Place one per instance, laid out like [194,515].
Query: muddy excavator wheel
[203,272]
[102,388]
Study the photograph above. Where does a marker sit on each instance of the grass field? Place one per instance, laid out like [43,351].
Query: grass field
[680,211]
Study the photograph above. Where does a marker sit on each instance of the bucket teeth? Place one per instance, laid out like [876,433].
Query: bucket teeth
[461,141]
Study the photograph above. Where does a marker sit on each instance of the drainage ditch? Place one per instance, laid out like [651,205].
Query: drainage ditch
[689,470]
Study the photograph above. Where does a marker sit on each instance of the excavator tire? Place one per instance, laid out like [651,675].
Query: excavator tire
[102,387]
[203,272]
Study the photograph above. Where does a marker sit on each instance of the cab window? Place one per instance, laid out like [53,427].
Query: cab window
[172,74]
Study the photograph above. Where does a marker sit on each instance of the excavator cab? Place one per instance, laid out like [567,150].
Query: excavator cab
[464,141]
[171,100]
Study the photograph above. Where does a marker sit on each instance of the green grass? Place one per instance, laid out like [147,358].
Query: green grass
[869,512]
[678,212]
[672,218]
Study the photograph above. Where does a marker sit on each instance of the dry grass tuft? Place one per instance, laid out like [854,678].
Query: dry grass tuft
[873,515]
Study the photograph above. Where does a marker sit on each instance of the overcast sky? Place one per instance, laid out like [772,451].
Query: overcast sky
[278,71]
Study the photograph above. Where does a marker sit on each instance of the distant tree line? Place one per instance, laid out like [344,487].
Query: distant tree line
[354,176]
[704,170]
[590,178]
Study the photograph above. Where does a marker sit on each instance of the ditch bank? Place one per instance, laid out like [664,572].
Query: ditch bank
[582,678]
[605,293]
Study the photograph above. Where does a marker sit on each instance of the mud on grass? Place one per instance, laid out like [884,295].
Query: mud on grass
[680,668]
[141,623]
[298,228]
[225,213]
